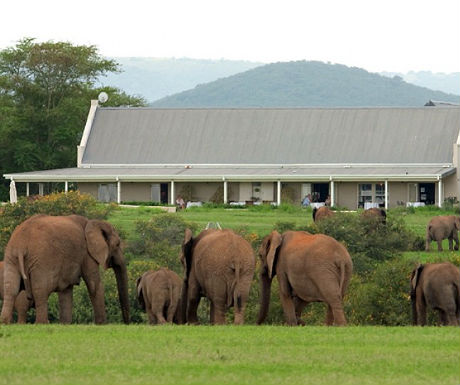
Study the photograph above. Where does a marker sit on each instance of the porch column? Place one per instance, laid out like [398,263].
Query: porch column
[172,193]
[331,189]
[225,191]
[40,189]
[278,192]
[386,194]
[66,186]
[27,189]
[118,191]
[440,191]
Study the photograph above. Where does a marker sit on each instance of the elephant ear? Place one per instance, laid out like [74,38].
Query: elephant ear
[187,251]
[97,235]
[457,223]
[140,295]
[273,243]
[415,276]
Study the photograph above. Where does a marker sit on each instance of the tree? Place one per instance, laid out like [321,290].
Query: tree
[45,93]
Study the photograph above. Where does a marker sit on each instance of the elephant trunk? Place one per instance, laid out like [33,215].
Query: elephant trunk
[265,288]
[182,311]
[121,276]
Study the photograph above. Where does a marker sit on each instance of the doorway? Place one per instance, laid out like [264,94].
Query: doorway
[320,192]
[426,193]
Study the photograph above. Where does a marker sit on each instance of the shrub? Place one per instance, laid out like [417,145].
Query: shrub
[160,239]
[383,297]
[68,203]
[367,239]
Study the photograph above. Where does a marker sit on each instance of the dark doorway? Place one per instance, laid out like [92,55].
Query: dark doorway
[164,193]
[320,192]
[426,193]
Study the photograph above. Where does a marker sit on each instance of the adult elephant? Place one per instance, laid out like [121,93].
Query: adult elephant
[321,213]
[376,213]
[219,265]
[158,293]
[436,285]
[22,304]
[48,254]
[442,227]
[310,268]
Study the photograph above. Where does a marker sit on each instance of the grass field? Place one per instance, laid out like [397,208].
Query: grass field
[140,354]
[116,354]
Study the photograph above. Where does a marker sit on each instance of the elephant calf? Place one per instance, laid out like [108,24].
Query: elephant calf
[321,213]
[21,304]
[442,227]
[158,292]
[438,285]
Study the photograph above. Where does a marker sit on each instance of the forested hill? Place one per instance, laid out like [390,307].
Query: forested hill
[305,84]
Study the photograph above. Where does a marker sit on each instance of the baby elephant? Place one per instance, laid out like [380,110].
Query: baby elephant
[158,292]
[436,285]
[442,227]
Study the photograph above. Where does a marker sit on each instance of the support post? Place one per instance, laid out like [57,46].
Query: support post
[278,192]
[27,189]
[66,186]
[386,194]
[118,191]
[439,192]
[225,191]
[41,188]
[172,201]
[331,188]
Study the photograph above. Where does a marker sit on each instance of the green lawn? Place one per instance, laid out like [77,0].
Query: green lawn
[116,354]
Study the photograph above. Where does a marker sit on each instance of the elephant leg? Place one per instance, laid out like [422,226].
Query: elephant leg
[92,278]
[241,300]
[22,305]
[151,316]
[171,312]
[439,245]
[217,316]
[332,296]
[299,307]
[41,308]
[451,244]
[421,312]
[11,290]
[65,305]
[455,237]
[157,310]
[193,300]
[287,301]
[329,316]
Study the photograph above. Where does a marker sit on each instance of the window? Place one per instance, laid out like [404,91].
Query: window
[372,193]
[107,192]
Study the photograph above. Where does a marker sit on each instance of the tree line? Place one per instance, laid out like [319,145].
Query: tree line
[45,94]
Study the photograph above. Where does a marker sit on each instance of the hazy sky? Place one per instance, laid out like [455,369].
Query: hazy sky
[385,35]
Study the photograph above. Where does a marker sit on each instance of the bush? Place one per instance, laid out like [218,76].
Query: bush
[383,297]
[367,239]
[68,203]
[160,239]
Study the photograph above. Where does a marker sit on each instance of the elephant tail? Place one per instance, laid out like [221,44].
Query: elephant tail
[234,295]
[24,276]
[344,277]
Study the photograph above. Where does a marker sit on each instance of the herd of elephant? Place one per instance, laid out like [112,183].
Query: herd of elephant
[48,254]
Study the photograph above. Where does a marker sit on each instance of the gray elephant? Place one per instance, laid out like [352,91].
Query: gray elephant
[158,292]
[218,264]
[442,227]
[436,285]
[310,268]
[48,254]
[22,304]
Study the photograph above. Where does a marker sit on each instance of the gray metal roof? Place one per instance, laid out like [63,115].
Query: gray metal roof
[128,136]
[239,173]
